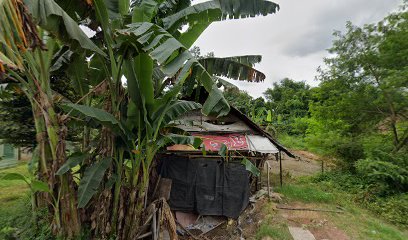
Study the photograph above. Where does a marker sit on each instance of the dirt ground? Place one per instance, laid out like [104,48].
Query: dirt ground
[245,227]
[314,221]
[305,164]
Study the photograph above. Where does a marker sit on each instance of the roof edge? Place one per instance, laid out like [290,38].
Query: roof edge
[248,121]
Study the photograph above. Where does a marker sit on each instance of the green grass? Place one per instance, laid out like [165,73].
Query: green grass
[279,232]
[12,190]
[15,211]
[361,224]
[14,201]
[356,222]
[273,225]
[307,144]
[293,142]
[307,194]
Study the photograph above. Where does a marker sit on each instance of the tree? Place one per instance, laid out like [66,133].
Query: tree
[140,41]
[16,119]
[289,98]
[367,77]
[241,100]
[288,102]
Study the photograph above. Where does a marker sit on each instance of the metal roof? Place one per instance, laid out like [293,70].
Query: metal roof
[235,122]
[261,144]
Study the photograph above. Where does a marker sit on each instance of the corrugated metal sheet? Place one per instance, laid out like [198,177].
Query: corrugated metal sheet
[197,126]
[261,144]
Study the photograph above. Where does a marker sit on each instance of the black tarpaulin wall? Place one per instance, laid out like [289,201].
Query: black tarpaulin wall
[206,186]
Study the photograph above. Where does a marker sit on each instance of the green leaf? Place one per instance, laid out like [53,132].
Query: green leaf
[72,161]
[15,176]
[215,103]
[144,72]
[269,116]
[237,68]
[184,140]
[226,84]
[132,83]
[203,150]
[249,60]
[219,10]
[174,111]
[39,186]
[249,166]
[145,11]
[105,11]
[172,56]
[113,8]
[96,73]
[100,116]
[89,184]
[54,19]
[33,163]
[61,59]
[194,31]
[77,72]
[223,150]
[200,16]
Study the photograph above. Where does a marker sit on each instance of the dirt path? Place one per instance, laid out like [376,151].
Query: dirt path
[306,164]
[311,222]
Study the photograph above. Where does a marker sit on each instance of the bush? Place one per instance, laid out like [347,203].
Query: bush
[324,142]
[294,142]
[345,181]
[387,173]
[349,152]
[393,208]
[299,126]
[16,222]
[374,142]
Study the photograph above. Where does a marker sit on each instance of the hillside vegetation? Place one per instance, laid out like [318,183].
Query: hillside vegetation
[356,118]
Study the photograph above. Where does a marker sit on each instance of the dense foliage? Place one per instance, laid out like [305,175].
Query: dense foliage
[357,115]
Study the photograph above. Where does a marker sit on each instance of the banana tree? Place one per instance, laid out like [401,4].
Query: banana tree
[143,45]
[136,40]
[25,57]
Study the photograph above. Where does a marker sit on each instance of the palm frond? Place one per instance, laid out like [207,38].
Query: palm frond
[237,68]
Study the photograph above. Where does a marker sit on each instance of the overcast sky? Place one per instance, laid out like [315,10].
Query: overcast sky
[293,42]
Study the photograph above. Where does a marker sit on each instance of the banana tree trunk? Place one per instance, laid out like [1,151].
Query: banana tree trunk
[61,201]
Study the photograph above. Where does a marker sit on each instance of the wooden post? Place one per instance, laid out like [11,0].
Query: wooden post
[280,168]
[268,184]
[322,166]
[19,153]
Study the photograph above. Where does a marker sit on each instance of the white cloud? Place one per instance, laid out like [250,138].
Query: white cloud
[293,42]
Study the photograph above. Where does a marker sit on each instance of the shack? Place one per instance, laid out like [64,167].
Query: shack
[205,183]
[8,155]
